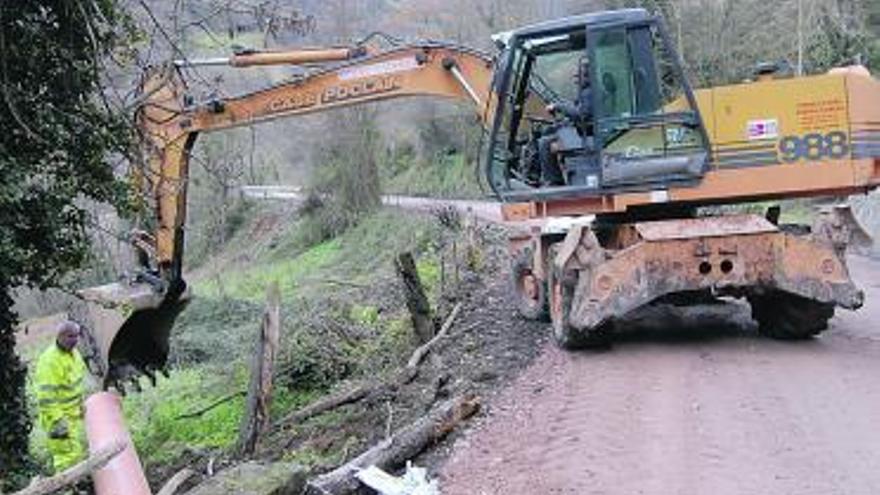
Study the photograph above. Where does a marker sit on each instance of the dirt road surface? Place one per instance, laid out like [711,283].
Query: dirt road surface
[689,403]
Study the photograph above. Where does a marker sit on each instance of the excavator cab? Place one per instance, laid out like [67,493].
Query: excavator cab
[591,105]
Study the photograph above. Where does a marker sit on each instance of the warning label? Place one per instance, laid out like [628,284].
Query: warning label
[820,115]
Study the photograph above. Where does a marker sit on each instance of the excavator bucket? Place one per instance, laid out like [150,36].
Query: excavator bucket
[128,327]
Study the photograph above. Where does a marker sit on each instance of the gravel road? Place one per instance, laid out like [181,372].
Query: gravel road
[690,402]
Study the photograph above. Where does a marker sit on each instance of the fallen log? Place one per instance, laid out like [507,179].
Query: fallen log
[171,486]
[405,444]
[323,405]
[76,473]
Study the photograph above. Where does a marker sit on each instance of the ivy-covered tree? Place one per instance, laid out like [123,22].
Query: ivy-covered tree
[56,132]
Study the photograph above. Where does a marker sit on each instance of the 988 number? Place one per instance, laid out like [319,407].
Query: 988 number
[813,146]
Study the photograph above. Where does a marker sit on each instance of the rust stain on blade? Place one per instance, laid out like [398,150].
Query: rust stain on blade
[718,226]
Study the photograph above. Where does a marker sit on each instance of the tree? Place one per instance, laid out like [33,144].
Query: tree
[57,129]
[348,176]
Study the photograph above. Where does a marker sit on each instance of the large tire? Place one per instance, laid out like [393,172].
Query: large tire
[788,317]
[561,286]
[530,293]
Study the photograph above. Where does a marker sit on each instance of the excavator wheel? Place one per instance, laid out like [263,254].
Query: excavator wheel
[561,284]
[530,293]
[789,317]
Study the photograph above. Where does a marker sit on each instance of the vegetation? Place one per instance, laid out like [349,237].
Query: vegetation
[55,134]
[213,339]
[157,417]
[444,176]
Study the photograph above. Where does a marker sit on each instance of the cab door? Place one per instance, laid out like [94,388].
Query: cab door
[648,130]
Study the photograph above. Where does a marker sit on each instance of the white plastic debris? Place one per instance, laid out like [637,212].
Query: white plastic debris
[413,482]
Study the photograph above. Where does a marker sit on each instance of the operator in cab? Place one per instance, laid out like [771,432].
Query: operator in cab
[60,386]
[576,115]
[579,112]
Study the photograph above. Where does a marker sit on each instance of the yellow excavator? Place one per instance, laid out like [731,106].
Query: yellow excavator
[596,144]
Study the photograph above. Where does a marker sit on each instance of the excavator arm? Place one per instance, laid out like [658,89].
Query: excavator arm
[170,126]
[131,321]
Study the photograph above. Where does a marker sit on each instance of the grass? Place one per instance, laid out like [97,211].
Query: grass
[356,255]
[159,433]
[428,268]
[449,176]
[152,415]
[250,283]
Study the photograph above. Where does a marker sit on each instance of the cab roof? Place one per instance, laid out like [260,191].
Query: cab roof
[564,23]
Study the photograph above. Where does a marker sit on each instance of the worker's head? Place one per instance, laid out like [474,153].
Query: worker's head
[68,335]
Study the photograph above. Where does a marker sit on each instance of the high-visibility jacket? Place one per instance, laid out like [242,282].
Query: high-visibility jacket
[60,385]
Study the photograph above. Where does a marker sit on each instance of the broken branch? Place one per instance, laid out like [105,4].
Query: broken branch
[211,406]
[419,354]
[74,474]
[171,486]
[402,377]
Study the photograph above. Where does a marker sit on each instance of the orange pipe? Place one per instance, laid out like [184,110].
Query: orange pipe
[105,425]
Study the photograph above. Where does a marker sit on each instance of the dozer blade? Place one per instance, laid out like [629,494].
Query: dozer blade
[129,328]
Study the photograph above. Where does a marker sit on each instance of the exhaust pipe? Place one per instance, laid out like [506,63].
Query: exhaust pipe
[105,425]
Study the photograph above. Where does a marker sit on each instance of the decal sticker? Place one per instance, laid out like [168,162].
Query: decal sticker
[762,129]
[660,196]
[379,69]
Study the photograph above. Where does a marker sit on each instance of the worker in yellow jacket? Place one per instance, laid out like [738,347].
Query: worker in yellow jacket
[60,385]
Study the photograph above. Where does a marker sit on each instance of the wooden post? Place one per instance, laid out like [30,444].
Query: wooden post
[259,398]
[416,301]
